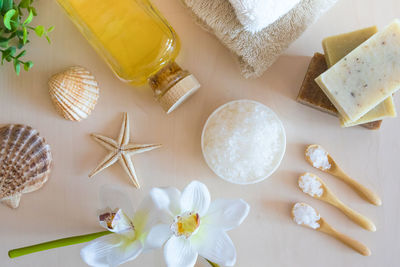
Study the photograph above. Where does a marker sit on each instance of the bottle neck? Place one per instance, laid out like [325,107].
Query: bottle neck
[166,78]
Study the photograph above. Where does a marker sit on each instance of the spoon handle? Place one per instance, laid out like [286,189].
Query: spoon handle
[364,192]
[357,246]
[356,217]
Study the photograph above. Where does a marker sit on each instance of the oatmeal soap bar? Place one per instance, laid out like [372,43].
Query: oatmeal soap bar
[337,47]
[366,76]
[311,95]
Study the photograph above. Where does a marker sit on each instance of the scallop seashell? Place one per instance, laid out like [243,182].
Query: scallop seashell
[25,162]
[74,93]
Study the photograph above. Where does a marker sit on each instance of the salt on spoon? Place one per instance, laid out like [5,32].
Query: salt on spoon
[319,158]
[314,186]
[306,215]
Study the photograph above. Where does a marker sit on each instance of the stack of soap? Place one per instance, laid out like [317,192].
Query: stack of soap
[365,78]
[311,94]
[338,49]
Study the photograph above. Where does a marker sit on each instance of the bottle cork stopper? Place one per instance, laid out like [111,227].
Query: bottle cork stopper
[178,93]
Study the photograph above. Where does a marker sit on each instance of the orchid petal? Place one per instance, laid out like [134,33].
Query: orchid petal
[214,244]
[226,213]
[110,250]
[128,252]
[145,217]
[115,198]
[195,198]
[157,236]
[178,252]
[167,199]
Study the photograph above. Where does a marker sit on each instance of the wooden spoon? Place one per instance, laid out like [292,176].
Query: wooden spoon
[336,171]
[330,198]
[327,229]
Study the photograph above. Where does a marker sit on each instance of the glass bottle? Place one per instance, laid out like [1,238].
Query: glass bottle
[137,43]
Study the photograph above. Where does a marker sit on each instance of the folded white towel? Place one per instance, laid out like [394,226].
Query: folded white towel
[255,15]
[256,52]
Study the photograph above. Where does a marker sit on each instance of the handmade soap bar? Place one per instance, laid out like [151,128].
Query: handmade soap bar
[385,109]
[310,93]
[366,76]
[337,47]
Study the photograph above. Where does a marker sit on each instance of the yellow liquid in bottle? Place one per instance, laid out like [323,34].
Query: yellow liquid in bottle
[130,35]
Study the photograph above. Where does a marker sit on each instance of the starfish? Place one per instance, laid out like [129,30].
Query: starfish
[121,150]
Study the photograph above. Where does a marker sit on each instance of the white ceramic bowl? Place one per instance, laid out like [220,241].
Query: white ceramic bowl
[278,156]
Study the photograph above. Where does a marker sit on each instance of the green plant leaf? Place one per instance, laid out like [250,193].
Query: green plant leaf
[20,34]
[8,54]
[25,36]
[29,18]
[4,44]
[17,66]
[25,3]
[33,10]
[28,65]
[14,35]
[7,5]
[7,18]
[21,44]
[39,30]
[11,50]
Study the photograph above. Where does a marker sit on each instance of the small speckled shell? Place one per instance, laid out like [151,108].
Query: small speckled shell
[74,93]
[25,162]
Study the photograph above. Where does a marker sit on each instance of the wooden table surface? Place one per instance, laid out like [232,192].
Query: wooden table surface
[67,205]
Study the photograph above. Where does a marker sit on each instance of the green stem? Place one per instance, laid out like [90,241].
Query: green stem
[55,244]
[63,242]
[212,263]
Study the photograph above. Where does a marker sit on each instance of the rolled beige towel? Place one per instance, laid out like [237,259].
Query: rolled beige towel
[256,52]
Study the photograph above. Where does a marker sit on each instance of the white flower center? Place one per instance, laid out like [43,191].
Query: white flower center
[118,222]
[108,218]
[186,224]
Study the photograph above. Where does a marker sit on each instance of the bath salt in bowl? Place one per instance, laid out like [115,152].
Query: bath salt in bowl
[243,142]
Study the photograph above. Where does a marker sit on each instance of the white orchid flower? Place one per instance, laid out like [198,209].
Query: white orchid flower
[127,240]
[193,226]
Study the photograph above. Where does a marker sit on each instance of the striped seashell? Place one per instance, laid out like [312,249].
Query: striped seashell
[25,162]
[74,93]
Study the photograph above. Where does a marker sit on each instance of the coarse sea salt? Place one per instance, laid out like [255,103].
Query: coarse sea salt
[306,215]
[309,184]
[243,142]
[319,158]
